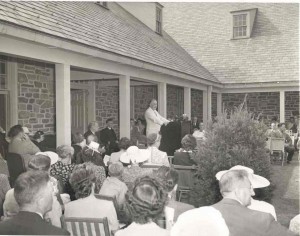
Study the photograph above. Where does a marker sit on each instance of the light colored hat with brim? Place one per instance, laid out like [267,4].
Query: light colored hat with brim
[135,155]
[53,156]
[256,180]
[94,146]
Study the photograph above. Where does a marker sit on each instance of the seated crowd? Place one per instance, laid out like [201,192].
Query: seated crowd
[135,188]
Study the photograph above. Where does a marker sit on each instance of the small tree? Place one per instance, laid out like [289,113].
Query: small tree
[236,140]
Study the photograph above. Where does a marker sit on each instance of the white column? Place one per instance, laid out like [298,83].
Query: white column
[91,103]
[205,107]
[12,73]
[219,104]
[187,102]
[209,92]
[124,103]
[282,106]
[63,104]
[162,99]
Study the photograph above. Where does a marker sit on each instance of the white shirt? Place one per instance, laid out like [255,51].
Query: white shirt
[262,206]
[149,229]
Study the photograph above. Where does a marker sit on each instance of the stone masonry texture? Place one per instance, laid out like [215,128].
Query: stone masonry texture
[265,103]
[36,95]
[204,31]
[291,103]
[175,96]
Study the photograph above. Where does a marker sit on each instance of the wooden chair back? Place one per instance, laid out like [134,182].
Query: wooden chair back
[277,144]
[108,198]
[86,226]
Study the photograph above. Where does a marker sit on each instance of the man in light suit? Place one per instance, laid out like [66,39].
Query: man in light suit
[34,194]
[154,119]
[236,190]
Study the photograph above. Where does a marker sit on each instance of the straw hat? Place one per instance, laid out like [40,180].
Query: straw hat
[256,180]
[53,156]
[135,155]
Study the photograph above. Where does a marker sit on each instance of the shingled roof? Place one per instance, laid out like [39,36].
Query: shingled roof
[114,30]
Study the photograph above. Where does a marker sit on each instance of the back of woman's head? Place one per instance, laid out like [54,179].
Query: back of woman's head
[146,201]
[124,143]
[39,162]
[14,131]
[64,151]
[78,137]
[168,176]
[188,142]
[82,179]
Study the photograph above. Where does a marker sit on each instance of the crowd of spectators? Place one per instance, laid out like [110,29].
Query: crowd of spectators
[74,180]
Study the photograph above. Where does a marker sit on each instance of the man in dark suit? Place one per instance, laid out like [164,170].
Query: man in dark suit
[108,138]
[195,123]
[34,193]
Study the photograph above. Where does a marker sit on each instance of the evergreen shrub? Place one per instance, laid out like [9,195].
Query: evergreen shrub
[235,139]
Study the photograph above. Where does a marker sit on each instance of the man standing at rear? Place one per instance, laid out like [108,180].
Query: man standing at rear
[108,137]
[154,119]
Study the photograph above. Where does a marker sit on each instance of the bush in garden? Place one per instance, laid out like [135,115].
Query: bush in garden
[238,139]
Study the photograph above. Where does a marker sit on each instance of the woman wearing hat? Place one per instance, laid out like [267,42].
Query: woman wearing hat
[256,182]
[133,157]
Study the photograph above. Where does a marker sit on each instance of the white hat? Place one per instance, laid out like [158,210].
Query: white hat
[94,146]
[135,155]
[26,130]
[53,156]
[256,180]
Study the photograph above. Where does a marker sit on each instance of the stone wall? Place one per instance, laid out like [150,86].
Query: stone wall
[291,103]
[197,103]
[36,95]
[175,103]
[214,102]
[267,103]
[142,96]
[107,104]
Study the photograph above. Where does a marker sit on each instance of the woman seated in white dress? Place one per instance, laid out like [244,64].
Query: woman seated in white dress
[145,205]
[157,157]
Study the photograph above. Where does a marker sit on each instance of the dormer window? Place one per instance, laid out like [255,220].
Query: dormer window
[242,23]
[158,19]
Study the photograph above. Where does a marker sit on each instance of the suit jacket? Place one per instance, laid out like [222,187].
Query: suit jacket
[242,221]
[87,133]
[29,223]
[154,121]
[108,138]
[195,126]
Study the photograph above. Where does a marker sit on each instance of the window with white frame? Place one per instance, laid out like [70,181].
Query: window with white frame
[158,19]
[242,23]
[3,75]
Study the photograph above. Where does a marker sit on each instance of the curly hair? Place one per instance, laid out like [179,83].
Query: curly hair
[168,176]
[188,142]
[146,201]
[82,179]
[64,151]
[124,143]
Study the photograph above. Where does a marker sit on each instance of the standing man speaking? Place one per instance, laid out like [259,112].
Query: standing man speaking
[154,119]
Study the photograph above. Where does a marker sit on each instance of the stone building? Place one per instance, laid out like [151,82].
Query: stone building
[63,64]
[251,48]
[66,63]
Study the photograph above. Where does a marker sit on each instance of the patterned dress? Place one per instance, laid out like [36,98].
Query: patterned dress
[62,171]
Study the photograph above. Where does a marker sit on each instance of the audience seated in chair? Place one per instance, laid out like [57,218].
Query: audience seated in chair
[63,167]
[33,192]
[169,178]
[124,143]
[236,190]
[133,157]
[157,157]
[113,186]
[289,146]
[20,143]
[145,204]
[91,153]
[38,139]
[79,143]
[186,154]
[256,182]
[87,205]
